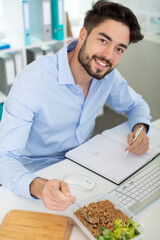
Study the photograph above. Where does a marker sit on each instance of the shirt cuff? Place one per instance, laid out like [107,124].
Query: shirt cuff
[146,122]
[23,186]
[140,124]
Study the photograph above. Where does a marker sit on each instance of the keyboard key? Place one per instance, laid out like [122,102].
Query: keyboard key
[141,189]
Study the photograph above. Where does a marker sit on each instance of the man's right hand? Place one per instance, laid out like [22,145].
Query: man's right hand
[54,193]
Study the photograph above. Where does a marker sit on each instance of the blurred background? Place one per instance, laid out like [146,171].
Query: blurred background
[140,65]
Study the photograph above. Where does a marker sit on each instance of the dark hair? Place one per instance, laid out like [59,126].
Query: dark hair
[103,10]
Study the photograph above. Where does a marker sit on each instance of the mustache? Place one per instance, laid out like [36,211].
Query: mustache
[104,60]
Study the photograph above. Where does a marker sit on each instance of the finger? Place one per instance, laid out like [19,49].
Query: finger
[130,138]
[65,189]
[53,198]
[140,146]
[49,194]
[135,143]
[141,141]
[63,192]
[57,206]
[141,149]
[60,204]
[55,202]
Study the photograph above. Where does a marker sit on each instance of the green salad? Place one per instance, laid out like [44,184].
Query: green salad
[122,231]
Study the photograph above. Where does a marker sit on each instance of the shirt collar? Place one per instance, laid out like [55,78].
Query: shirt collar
[64,72]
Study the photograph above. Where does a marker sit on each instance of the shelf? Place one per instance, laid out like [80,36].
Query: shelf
[16,57]
[14,27]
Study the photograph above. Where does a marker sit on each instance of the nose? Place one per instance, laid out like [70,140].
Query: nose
[108,53]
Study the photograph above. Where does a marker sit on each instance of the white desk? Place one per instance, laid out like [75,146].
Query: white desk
[150,217]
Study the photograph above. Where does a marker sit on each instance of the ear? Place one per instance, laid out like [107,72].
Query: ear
[82,34]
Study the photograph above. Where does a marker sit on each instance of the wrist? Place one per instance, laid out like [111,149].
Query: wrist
[37,186]
[138,125]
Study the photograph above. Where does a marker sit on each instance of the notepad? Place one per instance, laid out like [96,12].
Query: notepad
[104,153]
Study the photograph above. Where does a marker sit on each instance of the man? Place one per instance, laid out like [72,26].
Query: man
[53,103]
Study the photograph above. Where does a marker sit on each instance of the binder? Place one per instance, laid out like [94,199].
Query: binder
[26,22]
[57,12]
[33,54]
[2,100]
[7,73]
[1,110]
[18,61]
[4,45]
[40,19]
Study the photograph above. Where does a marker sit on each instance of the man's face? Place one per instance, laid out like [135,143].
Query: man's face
[103,48]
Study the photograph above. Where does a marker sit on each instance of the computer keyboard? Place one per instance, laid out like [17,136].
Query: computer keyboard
[140,189]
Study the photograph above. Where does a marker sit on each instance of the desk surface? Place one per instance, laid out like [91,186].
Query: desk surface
[149,218]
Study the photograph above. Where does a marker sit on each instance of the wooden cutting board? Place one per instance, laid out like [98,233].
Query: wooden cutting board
[27,225]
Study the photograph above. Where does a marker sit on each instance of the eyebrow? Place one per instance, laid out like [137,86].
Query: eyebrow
[110,39]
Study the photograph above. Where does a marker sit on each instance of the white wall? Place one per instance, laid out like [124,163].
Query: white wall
[76,10]
[141,67]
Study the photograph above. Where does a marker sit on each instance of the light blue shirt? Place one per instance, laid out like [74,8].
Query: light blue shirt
[46,115]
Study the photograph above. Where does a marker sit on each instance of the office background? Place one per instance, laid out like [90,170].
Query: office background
[139,65]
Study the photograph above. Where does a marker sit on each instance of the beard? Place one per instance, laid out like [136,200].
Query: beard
[85,61]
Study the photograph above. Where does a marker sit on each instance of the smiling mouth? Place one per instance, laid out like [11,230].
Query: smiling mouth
[102,63]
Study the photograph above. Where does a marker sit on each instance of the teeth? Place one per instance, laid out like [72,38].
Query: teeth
[102,64]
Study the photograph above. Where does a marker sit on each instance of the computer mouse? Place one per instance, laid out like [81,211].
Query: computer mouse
[79,181]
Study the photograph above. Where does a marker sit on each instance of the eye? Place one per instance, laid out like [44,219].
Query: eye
[102,40]
[120,50]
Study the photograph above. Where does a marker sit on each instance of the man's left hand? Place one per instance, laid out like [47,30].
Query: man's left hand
[141,144]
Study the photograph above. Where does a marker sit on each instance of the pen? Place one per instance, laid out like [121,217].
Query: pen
[139,130]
